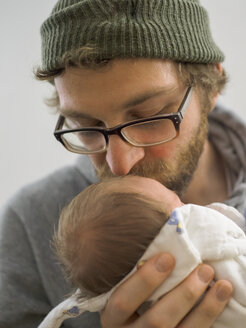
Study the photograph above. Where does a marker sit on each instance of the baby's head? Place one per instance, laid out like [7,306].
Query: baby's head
[106,228]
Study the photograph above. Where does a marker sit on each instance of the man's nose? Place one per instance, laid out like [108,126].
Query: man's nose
[121,156]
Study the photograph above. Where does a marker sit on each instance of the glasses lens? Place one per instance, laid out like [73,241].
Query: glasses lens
[84,141]
[151,132]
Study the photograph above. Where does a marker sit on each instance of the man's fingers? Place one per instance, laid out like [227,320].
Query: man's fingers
[174,306]
[167,312]
[211,306]
[133,292]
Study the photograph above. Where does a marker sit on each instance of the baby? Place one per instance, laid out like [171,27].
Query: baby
[111,226]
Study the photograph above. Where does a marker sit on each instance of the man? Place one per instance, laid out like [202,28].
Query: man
[135,81]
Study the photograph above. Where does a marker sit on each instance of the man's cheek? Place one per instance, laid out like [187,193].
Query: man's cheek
[165,151]
[98,159]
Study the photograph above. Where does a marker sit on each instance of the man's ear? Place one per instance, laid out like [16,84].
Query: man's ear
[218,66]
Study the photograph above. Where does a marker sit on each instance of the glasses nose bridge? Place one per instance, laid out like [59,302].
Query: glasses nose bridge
[113,131]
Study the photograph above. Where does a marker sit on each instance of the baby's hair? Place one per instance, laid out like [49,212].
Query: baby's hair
[103,233]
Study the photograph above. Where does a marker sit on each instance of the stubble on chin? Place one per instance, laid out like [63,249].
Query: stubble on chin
[175,175]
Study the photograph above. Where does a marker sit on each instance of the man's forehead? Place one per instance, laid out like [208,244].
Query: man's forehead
[144,71]
[124,84]
[132,101]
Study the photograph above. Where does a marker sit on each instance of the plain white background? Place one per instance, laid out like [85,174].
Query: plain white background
[28,148]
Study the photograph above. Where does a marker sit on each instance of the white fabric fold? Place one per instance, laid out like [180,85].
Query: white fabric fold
[193,234]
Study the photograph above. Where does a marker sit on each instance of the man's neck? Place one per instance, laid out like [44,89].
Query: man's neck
[209,182]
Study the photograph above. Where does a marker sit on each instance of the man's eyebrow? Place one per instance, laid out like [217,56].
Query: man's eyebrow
[75,114]
[141,98]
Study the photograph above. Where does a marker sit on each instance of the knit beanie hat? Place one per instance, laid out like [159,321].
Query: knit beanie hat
[169,29]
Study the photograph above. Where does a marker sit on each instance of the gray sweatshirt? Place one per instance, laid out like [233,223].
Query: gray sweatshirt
[31,279]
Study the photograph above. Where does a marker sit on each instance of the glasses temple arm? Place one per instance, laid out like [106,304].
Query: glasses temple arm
[185,103]
[59,123]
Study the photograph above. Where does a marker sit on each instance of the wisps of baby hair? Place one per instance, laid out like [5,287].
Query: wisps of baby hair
[103,233]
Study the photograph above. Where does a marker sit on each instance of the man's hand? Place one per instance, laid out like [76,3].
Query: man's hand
[174,308]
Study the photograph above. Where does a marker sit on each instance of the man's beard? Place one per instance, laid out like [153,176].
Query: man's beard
[175,175]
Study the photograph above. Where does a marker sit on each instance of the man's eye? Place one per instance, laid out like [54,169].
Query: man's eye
[163,111]
[167,110]
[171,108]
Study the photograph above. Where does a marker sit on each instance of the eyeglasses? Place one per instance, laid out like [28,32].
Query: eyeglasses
[144,132]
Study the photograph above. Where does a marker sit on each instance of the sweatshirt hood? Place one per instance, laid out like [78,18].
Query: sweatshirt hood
[227,132]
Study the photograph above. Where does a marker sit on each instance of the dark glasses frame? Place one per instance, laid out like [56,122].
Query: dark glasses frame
[176,119]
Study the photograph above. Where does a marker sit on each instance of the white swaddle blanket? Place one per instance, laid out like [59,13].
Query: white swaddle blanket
[193,234]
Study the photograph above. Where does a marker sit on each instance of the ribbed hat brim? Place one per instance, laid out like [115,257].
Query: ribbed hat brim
[169,29]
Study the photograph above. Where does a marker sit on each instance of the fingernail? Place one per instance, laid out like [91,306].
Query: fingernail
[205,273]
[164,263]
[140,264]
[223,292]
